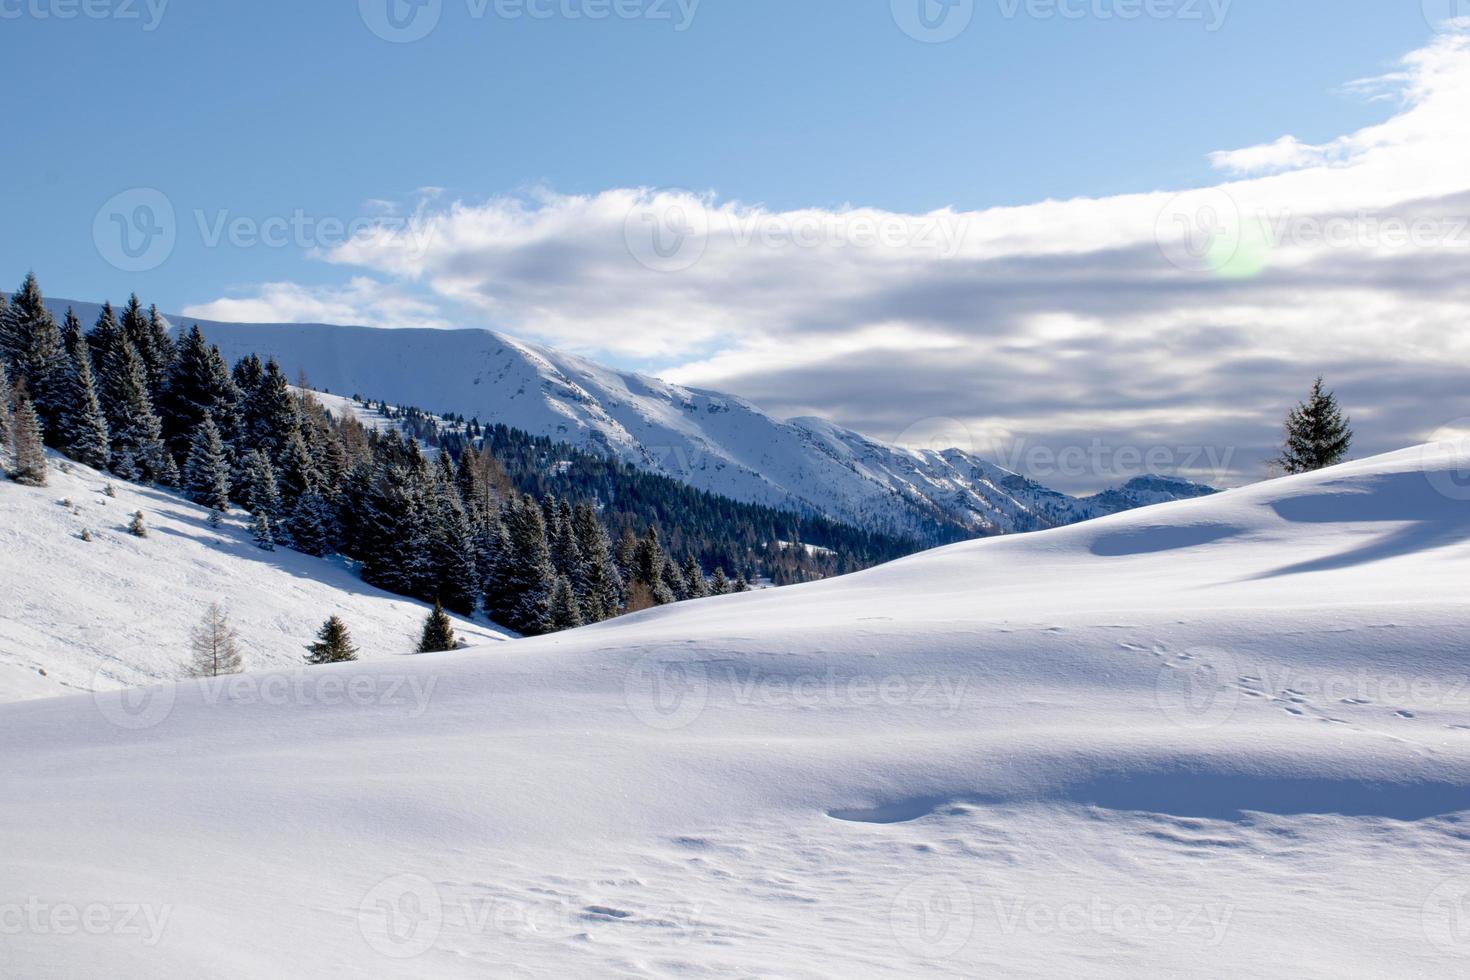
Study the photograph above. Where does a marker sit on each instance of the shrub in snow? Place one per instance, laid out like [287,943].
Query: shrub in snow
[333,644]
[136,527]
[215,645]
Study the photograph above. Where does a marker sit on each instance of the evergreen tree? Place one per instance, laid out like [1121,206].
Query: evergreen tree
[565,613]
[199,384]
[7,409]
[37,356]
[260,530]
[260,492]
[333,644]
[137,443]
[84,435]
[741,585]
[28,451]
[721,583]
[1317,433]
[268,413]
[144,329]
[694,578]
[207,472]
[453,550]
[526,577]
[597,583]
[136,527]
[215,646]
[438,632]
[648,567]
[309,525]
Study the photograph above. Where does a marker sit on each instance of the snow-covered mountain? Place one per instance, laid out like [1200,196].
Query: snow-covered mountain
[1223,737]
[116,611]
[709,440]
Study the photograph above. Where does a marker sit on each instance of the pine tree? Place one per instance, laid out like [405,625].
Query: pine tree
[148,335]
[648,564]
[199,384]
[37,356]
[207,472]
[84,435]
[598,583]
[741,585]
[565,613]
[438,632]
[1317,433]
[260,530]
[29,452]
[268,413]
[721,583]
[137,444]
[526,578]
[309,525]
[333,644]
[453,549]
[215,646]
[694,578]
[7,408]
[136,527]
[260,492]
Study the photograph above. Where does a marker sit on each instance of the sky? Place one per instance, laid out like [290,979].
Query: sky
[1087,230]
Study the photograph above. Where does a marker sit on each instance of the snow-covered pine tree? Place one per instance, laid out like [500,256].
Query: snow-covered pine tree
[199,384]
[648,565]
[310,525]
[1317,433]
[29,452]
[154,347]
[214,646]
[84,435]
[7,410]
[599,584]
[333,644]
[136,431]
[694,578]
[260,531]
[269,415]
[38,356]
[454,555]
[260,493]
[721,582]
[136,527]
[741,585]
[528,578]
[438,634]
[565,613]
[207,471]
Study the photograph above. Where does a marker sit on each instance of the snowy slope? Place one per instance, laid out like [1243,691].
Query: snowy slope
[116,611]
[712,441]
[1225,737]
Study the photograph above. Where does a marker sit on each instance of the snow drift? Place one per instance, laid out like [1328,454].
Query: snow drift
[1226,737]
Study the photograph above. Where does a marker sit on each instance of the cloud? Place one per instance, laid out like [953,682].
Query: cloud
[1141,320]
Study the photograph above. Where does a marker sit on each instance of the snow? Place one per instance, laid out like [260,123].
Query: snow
[116,611]
[712,441]
[1224,737]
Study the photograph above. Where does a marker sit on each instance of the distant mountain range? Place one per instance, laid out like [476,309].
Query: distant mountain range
[712,441]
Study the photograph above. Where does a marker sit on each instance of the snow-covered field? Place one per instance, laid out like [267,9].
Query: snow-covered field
[1226,737]
[116,611]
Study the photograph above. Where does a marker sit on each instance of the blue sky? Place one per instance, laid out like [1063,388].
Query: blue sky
[980,239]
[267,108]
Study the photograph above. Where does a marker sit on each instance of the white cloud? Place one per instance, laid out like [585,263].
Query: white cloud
[1139,318]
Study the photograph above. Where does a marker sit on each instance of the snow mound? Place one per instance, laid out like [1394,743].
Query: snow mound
[1227,736]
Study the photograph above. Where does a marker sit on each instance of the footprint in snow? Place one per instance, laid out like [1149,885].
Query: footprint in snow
[1404,714]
